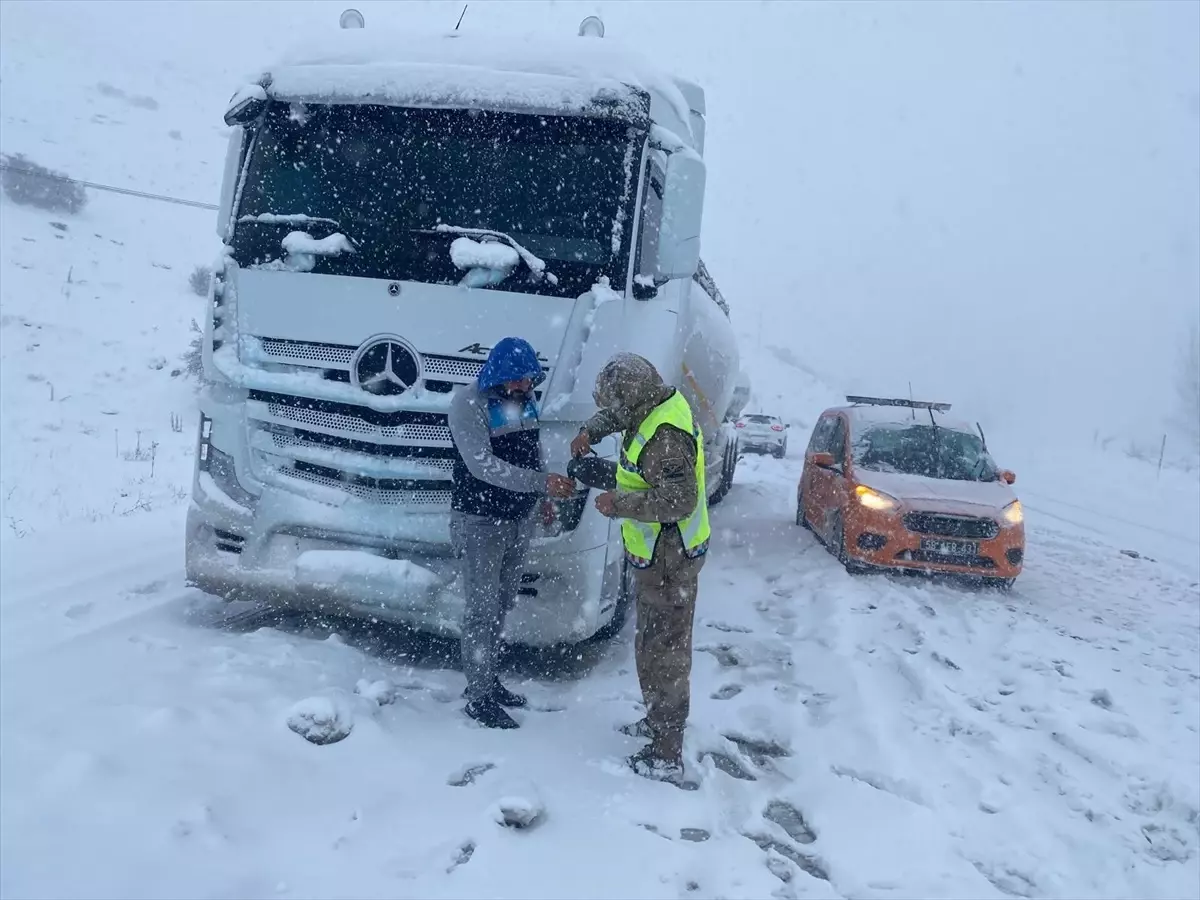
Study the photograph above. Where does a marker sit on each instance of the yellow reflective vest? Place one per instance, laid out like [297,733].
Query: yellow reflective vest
[640,538]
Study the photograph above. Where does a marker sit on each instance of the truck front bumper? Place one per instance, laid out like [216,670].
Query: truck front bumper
[298,554]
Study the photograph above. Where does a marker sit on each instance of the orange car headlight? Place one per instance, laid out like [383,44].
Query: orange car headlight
[876,500]
[1013,513]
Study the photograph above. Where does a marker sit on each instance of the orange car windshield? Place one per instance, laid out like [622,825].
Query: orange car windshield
[924,450]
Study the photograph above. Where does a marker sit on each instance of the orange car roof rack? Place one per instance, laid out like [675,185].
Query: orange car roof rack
[910,404]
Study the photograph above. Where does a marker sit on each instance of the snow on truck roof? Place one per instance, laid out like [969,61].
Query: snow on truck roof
[534,73]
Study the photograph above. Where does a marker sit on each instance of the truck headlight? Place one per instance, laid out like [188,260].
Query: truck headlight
[1013,513]
[876,500]
[220,467]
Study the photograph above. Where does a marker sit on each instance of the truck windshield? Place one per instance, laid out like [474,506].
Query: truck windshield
[562,186]
[925,450]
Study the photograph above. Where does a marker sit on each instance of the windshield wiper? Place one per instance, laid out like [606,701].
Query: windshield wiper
[537,267]
[287,219]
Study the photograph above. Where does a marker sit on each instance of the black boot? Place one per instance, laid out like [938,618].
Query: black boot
[490,714]
[650,762]
[639,729]
[505,697]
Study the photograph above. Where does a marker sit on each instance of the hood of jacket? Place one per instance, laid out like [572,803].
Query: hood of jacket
[510,360]
[629,387]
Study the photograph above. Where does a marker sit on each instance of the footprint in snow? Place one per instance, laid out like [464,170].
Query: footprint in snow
[462,855]
[467,774]
[694,835]
[809,864]
[790,820]
[727,764]
[726,692]
[727,627]
[945,661]
[150,587]
[723,653]
[817,705]
[759,750]
[382,692]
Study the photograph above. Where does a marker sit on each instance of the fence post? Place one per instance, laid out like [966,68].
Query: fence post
[1162,449]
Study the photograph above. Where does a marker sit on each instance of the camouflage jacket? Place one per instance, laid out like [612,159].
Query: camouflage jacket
[627,389]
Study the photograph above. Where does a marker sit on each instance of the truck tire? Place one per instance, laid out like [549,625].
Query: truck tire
[728,467]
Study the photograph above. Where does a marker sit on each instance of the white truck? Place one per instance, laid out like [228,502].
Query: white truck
[392,207]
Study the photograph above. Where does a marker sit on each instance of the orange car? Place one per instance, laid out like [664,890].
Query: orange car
[893,484]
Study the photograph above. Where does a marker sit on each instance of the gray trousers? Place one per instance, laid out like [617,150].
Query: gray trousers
[492,554]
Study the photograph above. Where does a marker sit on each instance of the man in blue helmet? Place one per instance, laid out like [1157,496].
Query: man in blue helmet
[499,478]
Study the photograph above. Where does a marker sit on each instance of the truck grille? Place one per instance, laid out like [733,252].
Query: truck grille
[301,443]
[307,352]
[438,435]
[330,444]
[429,500]
[951,526]
[338,356]
[414,428]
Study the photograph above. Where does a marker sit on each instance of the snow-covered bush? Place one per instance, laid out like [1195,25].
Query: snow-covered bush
[28,183]
[193,357]
[199,280]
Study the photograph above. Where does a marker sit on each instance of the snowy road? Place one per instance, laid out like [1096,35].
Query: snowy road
[853,737]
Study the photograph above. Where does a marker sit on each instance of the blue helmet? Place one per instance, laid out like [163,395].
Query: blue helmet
[510,360]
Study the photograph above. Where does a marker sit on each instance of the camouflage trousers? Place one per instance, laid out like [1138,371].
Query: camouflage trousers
[666,608]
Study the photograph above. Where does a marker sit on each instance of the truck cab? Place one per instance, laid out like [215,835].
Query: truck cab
[392,207]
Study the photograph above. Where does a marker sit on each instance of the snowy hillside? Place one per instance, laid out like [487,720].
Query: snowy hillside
[852,737]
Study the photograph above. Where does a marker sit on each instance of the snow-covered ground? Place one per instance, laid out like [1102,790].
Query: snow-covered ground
[852,737]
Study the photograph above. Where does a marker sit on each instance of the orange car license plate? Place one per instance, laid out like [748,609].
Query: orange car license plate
[950,548]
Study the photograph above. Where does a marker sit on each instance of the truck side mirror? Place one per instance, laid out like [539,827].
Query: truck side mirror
[1008,476]
[682,212]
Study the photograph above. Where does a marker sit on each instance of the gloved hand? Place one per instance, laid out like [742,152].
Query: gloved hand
[581,444]
[560,486]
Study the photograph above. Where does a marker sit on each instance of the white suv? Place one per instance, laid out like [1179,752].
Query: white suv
[763,434]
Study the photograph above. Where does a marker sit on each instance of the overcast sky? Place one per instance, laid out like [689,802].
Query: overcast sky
[999,202]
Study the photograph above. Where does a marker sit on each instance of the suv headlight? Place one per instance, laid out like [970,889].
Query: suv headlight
[876,500]
[1013,514]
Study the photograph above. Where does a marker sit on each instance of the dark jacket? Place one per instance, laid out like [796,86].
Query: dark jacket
[499,471]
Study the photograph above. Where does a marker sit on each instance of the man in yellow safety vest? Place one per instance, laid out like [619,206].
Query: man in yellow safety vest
[661,499]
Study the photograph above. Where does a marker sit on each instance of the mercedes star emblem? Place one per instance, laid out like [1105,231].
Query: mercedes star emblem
[386,366]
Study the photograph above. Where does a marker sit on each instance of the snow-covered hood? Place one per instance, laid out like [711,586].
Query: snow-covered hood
[938,494]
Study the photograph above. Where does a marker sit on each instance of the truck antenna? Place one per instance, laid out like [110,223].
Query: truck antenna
[460,16]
